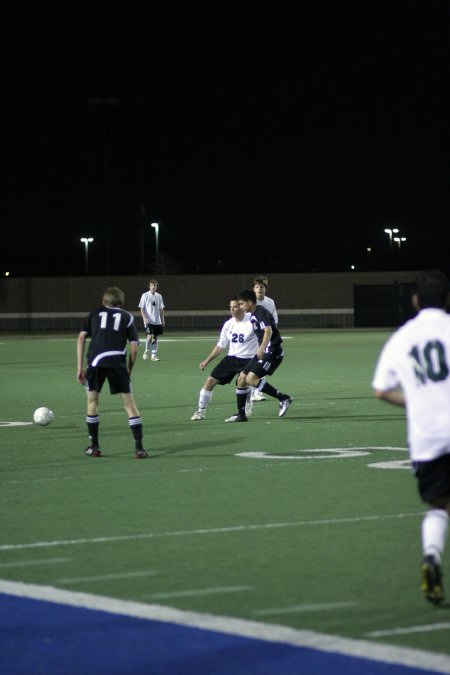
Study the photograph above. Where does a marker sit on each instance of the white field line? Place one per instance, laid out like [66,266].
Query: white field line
[337,454]
[299,609]
[219,590]
[426,628]
[41,561]
[428,661]
[106,577]
[212,530]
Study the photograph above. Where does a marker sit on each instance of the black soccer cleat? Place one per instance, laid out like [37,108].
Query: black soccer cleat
[141,454]
[431,585]
[237,418]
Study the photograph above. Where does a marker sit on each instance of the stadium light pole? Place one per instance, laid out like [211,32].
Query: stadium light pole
[399,240]
[390,232]
[156,226]
[105,102]
[86,241]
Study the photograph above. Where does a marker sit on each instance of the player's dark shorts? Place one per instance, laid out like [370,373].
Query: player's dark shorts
[118,379]
[265,366]
[433,478]
[228,368]
[154,329]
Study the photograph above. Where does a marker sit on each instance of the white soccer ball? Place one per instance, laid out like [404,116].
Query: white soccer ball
[43,416]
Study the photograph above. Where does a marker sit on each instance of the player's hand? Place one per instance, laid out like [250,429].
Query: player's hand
[203,364]
[81,376]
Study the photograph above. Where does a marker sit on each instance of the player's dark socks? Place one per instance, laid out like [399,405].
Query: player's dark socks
[271,391]
[241,397]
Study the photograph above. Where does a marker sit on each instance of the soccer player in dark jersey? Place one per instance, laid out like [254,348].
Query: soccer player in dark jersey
[267,359]
[109,328]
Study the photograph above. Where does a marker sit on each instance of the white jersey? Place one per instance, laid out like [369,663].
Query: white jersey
[417,359]
[239,337]
[152,304]
[269,304]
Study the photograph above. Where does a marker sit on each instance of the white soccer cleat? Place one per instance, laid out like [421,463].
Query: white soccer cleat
[145,356]
[155,358]
[284,405]
[199,415]
[257,396]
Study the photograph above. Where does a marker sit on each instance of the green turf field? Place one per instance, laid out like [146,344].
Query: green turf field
[300,532]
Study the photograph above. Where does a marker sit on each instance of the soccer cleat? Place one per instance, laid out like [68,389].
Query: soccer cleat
[284,405]
[93,451]
[257,396]
[155,358]
[431,585]
[141,454]
[198,415]
[248,405]
[237,418]
[145,356]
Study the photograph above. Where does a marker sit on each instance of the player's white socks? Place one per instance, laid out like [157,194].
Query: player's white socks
[434,533]
[204,398]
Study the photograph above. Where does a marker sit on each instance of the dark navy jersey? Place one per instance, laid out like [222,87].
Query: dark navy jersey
[261,318]
[110,328]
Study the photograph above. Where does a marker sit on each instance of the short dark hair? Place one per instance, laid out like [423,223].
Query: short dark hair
[432,288]
[247,295]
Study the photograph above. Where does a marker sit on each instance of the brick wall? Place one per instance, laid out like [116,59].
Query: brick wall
[200,299]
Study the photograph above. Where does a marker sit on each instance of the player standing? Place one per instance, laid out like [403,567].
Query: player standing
[110,328]
[413,371]
[151,305]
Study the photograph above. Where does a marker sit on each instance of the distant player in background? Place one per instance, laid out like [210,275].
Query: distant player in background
[260,286]
[238,335]
[109,328]
[151,305]
[267,359]
[413,371]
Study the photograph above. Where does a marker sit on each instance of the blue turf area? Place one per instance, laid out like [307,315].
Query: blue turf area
[54,639]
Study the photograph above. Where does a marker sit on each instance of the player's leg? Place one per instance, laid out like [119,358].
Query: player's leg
[156,330]
[148,337]
[93,423]
[204,398]
[242,392]
[257,378]
[135,423]
[433,481]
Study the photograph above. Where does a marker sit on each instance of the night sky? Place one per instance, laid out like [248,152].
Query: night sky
[275,138]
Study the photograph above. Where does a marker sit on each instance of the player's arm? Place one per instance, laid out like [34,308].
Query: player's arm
[132,355]
[215,352]
[393,396]
[161,314]
[264,342]
[145,318]
[81,342]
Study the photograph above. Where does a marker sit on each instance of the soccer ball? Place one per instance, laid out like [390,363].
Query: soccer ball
[43,416]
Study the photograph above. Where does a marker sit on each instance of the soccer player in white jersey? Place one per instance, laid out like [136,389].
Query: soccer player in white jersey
[151,305]
[413,371]
[260,285]
[238,335]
